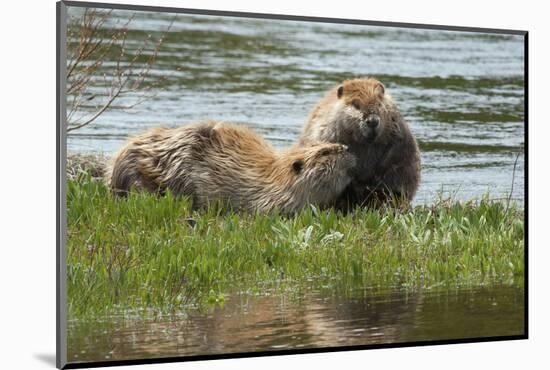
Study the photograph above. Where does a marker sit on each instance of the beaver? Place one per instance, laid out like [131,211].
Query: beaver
[217,161]
[360,114]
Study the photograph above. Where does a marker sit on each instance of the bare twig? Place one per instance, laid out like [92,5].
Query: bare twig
[513,180]
[91,43]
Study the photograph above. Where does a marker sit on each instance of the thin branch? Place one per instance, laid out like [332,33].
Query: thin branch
[513,180]
[94,117]
[88,58]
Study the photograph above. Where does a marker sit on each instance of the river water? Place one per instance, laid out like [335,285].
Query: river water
[462,93]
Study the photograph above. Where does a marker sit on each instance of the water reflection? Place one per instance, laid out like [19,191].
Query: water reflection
[249,323]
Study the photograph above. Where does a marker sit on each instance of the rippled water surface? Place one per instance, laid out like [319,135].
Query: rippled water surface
[271,322]
[462,93]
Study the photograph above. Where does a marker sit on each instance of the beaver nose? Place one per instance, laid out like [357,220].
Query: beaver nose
[373,121]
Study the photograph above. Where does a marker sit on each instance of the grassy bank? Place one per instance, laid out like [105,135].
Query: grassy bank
[152,253]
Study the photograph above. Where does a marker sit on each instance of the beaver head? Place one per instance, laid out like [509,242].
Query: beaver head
[365,108]
[324,169]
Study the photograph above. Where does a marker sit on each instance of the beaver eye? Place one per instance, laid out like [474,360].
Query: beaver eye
[297,165]
[356,105]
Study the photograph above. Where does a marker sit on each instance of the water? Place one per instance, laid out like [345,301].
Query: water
[462,93]
[274,322]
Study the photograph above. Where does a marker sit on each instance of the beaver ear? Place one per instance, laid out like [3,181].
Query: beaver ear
[297,165]
[380,89]
[340,91]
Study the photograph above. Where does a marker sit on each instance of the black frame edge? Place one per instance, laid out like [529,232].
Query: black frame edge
[526,180]
[61,206]
[227,13]
[301,351]
[58,363]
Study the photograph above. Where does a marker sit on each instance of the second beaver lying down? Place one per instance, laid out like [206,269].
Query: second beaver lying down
[215,161]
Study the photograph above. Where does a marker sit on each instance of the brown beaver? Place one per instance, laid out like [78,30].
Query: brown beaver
[360,114]
[215,161]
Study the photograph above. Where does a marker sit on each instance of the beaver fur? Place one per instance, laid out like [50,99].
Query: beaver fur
[360,114]
[216,161]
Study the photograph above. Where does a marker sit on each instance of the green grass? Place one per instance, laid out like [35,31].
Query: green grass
[144,254]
